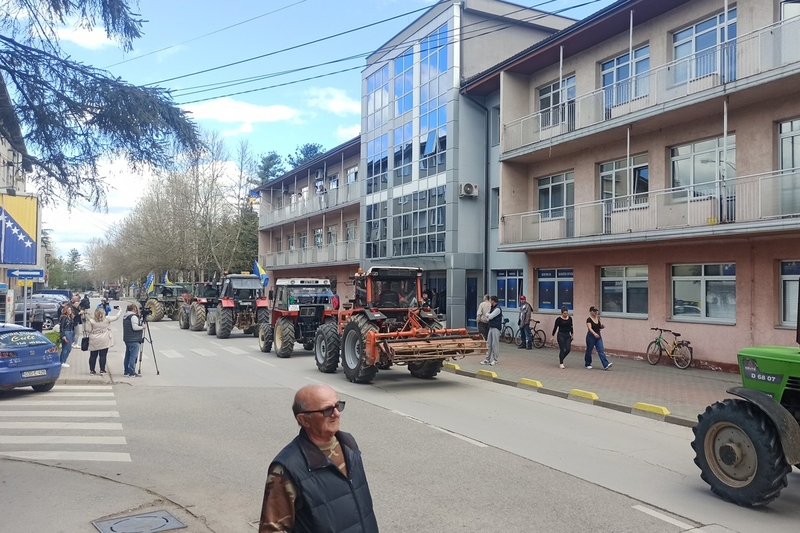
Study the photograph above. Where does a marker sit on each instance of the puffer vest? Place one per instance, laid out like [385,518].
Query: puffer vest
[496,322]
[331,502]
[128,333]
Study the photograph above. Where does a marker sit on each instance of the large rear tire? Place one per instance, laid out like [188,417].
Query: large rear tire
[653,353]
[738,451]
[197,317]
[425,369]
[353,341]
[265,333]
[284,338]
[184,317]
[326,348]
[224,323]
[211,326]
[262,316]
[156,310]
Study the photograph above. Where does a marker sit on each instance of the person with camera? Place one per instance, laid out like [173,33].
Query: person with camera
[100,337]
[133,336]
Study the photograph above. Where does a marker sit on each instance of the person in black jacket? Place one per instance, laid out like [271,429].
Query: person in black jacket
[317,484]
[564,326]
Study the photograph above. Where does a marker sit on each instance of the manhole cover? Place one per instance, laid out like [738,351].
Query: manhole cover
[140,523]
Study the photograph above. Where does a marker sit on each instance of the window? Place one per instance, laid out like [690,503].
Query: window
[790,274]
[376,221]
[419,222]
[557,106]
[290,242]
[303,237]
[697,47]
[509,287]
[556,193]
[377,164]
[332,231]
[623,79]
[554,286]
[702,292]
[494,209]
[378,98]
[495,125]
[699,166]
[624,290]
[618,181]
[352,175]
[404,82]
[788,189]
[790,9]
[432,140]
[403,140]
[278,244]
[333,182]
[318,237]
[434,86]
[351,231]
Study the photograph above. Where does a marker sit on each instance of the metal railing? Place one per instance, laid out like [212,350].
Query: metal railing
[303,207]
[752,198]
[760,51]
[329,253]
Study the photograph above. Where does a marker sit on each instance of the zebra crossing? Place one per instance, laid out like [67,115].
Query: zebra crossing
[25,432]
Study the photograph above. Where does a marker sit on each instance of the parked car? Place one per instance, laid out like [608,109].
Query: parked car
[51,310]
[63,292]
[52,297]
[27,359]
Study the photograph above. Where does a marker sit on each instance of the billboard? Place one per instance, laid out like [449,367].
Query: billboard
[18,229]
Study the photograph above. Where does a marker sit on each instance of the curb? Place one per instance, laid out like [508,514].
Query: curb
[655,412]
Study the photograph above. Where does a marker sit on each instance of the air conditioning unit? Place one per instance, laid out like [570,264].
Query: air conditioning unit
[319,174]
[468,189]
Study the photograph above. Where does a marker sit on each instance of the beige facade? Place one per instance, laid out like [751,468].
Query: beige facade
[665,188]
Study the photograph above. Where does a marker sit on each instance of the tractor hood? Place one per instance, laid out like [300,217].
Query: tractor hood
[770,369]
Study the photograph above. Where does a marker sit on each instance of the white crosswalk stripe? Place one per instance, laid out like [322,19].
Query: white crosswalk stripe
[69,437]
[170,354]
[234,350]
[203,352]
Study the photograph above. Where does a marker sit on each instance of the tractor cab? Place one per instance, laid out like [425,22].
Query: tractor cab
[388,288]
[241,287]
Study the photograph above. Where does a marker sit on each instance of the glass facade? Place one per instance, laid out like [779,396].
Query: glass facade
[555,288]
[434,84]
[418,222]
[376,225]
[378,164]
[703,292]
[623,290]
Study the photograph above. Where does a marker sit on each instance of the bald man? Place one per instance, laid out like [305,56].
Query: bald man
[317,484]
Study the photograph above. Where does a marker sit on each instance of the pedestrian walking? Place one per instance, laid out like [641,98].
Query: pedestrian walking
[594,340]
[563,324]
[100,337]
[524,323]
[317,483]
[66,327]
[133,336]
[495,316]
[483,319]
[37,318]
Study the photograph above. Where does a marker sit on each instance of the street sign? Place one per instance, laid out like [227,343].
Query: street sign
[26,274]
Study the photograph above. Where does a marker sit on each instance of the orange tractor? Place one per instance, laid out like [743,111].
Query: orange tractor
[386,324]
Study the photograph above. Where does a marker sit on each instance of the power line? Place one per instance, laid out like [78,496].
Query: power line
[206,34]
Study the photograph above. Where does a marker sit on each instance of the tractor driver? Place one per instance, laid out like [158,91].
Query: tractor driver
[389,296]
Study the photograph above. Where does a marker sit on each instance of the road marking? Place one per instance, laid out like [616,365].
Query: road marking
[170,354]
[60,402]
[448,432]
[84,387]
[203,352]
[235,351]
[63,414]
[662,516]
[102,426]
[80,394]
[70,456]
[53,439]
[260,361]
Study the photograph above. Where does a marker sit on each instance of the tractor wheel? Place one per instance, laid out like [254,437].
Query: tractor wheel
[308,346]
[326,348]
[353,341]
[224,323]
[184,318]
[265,333]
[426,369]
[739,453]
[197,317]
[156,310]
[284,337]
[262,316]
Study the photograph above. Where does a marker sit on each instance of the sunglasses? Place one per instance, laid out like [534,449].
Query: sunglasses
[328,411]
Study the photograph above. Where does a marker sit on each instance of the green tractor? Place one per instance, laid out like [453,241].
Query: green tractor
[166,300]
[746,447]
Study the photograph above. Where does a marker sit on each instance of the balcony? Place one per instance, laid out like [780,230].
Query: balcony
[303,208]
[737,205]
[762,51]
[310,257]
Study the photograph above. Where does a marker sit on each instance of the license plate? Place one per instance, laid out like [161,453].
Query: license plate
[34,373]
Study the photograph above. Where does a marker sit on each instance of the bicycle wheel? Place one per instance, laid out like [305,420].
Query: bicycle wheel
[539,338]
[682,355]
[518,337]
[654,352]
[507,335]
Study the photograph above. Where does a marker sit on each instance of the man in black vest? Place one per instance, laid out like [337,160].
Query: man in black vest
[133,336]
[317,484]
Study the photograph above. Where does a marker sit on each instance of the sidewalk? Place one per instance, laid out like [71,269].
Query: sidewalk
[685,393]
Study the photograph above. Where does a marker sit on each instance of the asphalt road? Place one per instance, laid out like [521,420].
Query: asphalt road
[448,455]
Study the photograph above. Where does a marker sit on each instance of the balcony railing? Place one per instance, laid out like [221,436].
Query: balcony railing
[329,253]
[300,208]
[753,198]
[763,50]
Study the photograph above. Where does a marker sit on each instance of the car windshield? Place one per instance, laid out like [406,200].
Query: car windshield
[395,292]
[309,295]
[22,338]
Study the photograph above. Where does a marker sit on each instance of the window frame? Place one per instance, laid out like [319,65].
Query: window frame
[784,4]
[554,113]
[630,87]
[495,126]
[721,30]
[557,276]
[787,307]
[564,179]
[504,280]
[697,190]
[640,198]
[627,278]
[702,305]
[494,208]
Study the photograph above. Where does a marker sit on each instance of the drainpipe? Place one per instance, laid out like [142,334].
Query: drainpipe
[486,199]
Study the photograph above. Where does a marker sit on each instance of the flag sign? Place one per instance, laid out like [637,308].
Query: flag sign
[18,222]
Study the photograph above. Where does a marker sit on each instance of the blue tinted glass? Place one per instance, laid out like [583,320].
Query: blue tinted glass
[442,120]
[564,273]
[501,292]
[511,293]
[790,268]
[545,274]
[565,294]
[547,294]
[607,65]
[729,269]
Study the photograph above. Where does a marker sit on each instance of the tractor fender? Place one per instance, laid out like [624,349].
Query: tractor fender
[377,315]
[785,423]
[262,302]
[227,303]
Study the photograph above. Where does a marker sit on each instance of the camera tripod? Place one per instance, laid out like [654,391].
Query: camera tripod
[147,337]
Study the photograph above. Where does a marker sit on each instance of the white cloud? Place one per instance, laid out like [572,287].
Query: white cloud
[91,39]
[241,114]
[333,100]
[163,55]
[345,133]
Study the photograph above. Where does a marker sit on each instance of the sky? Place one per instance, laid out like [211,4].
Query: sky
[314,105]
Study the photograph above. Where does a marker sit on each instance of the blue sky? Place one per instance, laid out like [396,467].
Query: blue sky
[187,36]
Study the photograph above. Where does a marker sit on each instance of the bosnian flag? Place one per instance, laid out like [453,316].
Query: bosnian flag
[18,221]
[259,271]
[149,285]
[165,280]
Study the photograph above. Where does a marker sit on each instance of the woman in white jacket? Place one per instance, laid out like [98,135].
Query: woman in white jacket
[100,337]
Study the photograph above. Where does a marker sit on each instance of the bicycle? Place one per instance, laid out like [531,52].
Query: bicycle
[539,336]
[679,350]
[507,334]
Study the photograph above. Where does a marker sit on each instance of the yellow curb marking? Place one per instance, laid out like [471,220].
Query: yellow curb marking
[452,366]
[530,383]
[584,394]
[486,373]
[650,408]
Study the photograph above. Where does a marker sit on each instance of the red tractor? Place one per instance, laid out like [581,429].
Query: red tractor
[241,304]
